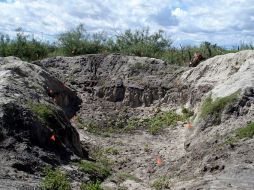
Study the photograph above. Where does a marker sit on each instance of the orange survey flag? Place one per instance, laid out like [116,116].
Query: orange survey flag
[188,125]
[53,138]
[159,161]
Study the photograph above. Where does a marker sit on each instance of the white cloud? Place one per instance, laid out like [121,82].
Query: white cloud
[178,12]
[192,21]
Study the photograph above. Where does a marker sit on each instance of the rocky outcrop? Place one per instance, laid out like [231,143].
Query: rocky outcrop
[34,125]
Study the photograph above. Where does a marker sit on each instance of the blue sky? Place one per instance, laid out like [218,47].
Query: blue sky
[224,22]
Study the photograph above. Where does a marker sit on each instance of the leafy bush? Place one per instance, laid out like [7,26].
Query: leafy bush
[142,43]
[24,47]
[139,42]
[55,179]
[78,42]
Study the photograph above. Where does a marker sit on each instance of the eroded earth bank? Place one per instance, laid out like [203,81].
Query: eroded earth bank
[128,122]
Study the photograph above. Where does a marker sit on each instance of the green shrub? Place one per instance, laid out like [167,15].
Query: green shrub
[161,183]
[23,47]
[162,120]
[91,186]
[142,43]
[55,180]
[78,42]
[96,170]
[245,132]
[210,107]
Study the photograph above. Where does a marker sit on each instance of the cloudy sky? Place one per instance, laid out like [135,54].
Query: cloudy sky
[225,22]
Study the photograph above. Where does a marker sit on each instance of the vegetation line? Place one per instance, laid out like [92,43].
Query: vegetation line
[131,42]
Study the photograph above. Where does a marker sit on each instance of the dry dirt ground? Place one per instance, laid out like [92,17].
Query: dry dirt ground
[140,158]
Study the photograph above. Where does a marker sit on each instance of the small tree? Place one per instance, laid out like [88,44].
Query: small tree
[78,41]
[142,43]
[72,41]
[4,45]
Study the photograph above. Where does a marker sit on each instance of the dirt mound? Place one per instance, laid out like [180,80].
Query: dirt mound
[34,128]
[109,83]
[209,108]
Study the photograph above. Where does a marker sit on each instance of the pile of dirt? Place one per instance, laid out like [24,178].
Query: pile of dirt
[109,83]
[34,126]
[41,102]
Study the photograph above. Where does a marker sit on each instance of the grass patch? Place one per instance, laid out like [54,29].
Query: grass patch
[121,177]
[91,186]
[90,127]
[122,124]
[187,113]
[162,120]
[161,183]
[210,107]
[230,140]
[154,125]
[118,125]
[43,111]
[99,155]
[96,170]
[111,150]
[55,179]
[245,132]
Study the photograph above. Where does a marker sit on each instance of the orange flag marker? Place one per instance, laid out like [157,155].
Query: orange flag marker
[53,138]
[159,161]
[188,125]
